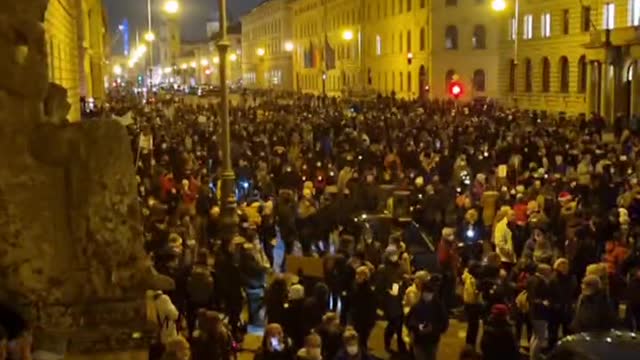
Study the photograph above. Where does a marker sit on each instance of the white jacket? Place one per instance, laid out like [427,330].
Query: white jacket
[167,316]
[504,242]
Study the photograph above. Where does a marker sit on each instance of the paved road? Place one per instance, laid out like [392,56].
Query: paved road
[450,345]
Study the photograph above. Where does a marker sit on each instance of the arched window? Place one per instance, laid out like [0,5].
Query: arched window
[582,74]
[512,75]
[528,75]
[479,39]
[451,37]
[546,74]
[564,74]
[448,78]
[478,80]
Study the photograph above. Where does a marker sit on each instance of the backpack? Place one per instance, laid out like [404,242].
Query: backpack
[522,301]
[200,286]
[470,293]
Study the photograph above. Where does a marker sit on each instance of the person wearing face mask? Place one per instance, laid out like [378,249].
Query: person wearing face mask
[389,288]
[331,333]
[427,321]
[352,350]
[312,349]
[275,345]
[363,313]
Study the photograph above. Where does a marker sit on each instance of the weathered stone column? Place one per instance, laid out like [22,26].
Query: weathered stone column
[72,260]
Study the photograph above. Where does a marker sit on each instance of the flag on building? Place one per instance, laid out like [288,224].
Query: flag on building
[329,55]
[308,56]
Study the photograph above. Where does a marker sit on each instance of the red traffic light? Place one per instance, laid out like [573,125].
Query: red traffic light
[455,89]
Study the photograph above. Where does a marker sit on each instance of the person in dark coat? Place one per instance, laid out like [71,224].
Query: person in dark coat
[331,333]
[564,288]
[315,307]
[427,321]
[212,340]
[363,314]
[293,315]
[498,341]
[229,283]
[594,312]
[389,283]
[275,299]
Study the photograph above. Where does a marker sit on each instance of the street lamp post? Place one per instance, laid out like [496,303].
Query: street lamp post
[228,216]
[501,5]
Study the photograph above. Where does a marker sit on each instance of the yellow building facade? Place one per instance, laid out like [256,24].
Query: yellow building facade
[267,60]
[573,57]
[75,32]
[358,46]
[466,45]
[557,55]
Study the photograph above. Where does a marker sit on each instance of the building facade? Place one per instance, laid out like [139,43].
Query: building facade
[466,39]
[169,40]
[573,57]
[75,33]
[398,47]
[267,59]
[557,55]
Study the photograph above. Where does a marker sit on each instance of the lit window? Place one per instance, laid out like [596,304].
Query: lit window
[378,45]
[609,16]
[527,23]
[545,25]
[513,29]
[634,12]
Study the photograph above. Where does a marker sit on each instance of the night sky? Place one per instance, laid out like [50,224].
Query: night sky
[194,14]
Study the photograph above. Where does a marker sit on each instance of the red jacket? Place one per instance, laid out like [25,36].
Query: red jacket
[448,256]
[615,254]
[520,213]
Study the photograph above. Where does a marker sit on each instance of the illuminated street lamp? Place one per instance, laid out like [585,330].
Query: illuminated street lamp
[171,7]
[347,35]
[168,70]
[260,52]
[184,66]
[228,214]
[288,46]
[232,57]
[216,60]
[193,64]
[150,36]
[499,5]
[204,62]
[131,64]
[117,70]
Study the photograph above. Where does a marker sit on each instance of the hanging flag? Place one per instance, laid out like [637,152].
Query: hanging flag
[308,56]
[330,55]
[317,57]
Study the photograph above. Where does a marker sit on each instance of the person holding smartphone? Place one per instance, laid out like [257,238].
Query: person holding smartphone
[275,345]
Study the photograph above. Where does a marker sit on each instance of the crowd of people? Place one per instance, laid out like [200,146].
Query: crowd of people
[533,216]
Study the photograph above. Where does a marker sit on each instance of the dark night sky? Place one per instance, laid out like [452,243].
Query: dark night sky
[194,14]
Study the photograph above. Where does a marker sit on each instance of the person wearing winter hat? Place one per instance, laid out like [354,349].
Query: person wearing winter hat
[293,313]
[427,321]
[389,288]
[498,340]
[594,312]
[448,260]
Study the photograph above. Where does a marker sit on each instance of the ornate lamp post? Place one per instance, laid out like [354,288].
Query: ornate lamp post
[228,216]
